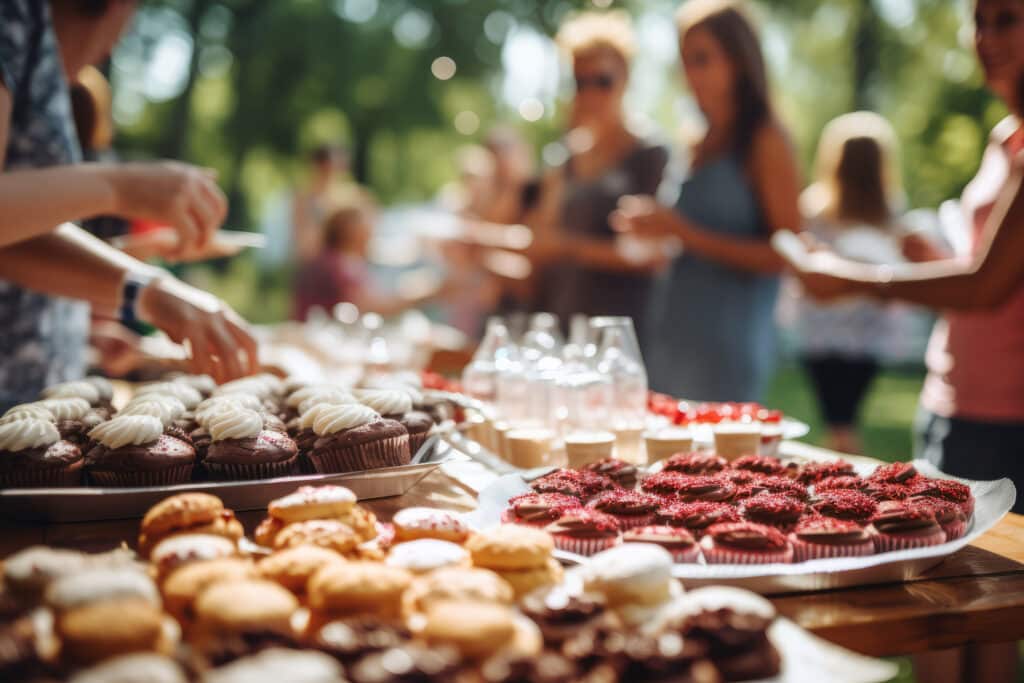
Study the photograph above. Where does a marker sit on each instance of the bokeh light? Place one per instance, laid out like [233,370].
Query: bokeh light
[467,122]
[531,109]
[443,68]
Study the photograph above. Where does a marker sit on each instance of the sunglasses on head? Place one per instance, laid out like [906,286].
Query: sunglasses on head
[597,82]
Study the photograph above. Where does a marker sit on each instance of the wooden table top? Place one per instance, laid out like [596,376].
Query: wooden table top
[976,595]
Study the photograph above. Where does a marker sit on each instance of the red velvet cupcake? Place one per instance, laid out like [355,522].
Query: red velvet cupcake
[895,473]
[689,488]
[745,543]
[584,532]
[945,489]
[773,509]
[883,492]
[813,472]
[741,478]
[783,485]
[762,464]
[538,509]
[696,517]
[631,508]
[852,506]
[698,462]
[949,516]
[899,526]
[621,472]
[676,540]
[846,483]
[820,537]
[580,484]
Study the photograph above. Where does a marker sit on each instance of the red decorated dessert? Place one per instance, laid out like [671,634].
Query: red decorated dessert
[745,543]
[676,540]
[882,492]
[741,478]
[695,463]
[773,509]
[949,516]
[898,526]
[631,508]
[782,485]
[945,489]
[852,506]
[762,464]
[895,473]
[696,517]
[687,487]
[813,472]
[845,483]
[580,484]
[538,509]
[820,537]
[621,472]
[584,532]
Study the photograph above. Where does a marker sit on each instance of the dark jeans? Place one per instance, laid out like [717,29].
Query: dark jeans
[972,449]
[840,384]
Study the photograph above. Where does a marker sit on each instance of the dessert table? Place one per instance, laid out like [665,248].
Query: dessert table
[976,595]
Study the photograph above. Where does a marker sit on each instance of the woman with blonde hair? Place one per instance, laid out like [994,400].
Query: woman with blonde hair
[582,270]
[715,330]
[853,207]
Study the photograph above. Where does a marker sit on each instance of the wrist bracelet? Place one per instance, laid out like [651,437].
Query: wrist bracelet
[131,287]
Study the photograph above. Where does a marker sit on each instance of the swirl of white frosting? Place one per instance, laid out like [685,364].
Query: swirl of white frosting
[29,432]
[166,408]
[386,401]
[127,429]
[34,410]
[309,416]
[211,407]
[235,423]
[336,397]
[203,383]
[297,397]
[102,385]
[247,385]
[188,395]
[335,418]
[272,381]
[81,389]
[66,408]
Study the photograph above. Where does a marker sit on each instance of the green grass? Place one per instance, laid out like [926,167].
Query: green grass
[886,417]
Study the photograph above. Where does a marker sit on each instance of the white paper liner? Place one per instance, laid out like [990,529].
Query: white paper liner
[993,499]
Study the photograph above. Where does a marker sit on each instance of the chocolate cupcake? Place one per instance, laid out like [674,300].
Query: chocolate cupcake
[397,405]
[303,398]
[948,515]
[813,472]
[762,464]
[945,489]
[696,517]
[204,384]
[745,543]
[559,615]
[96,391]
[852,506]
[581,484]
[896,473]
[899,526]
[132,450]
[782,485]
[631,508]
[32,454]
[699,462]
[187,394]
[538,509]
[690,488]
[773,509]
[584,532]
[678,541]
[846,483]
[240,448]
[820,537]
[354,437]
[168,409]
[73,417]
[621,472]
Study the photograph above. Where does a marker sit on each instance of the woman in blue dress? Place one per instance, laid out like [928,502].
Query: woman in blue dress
[713,329]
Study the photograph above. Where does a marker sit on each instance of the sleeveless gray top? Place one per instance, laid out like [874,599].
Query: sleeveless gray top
[715,337]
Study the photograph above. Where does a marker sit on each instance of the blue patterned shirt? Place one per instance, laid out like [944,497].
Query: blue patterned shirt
[42,338]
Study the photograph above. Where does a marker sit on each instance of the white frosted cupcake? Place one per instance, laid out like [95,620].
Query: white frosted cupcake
[355,437]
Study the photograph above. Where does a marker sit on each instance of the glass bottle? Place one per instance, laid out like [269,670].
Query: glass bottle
[496,350]
[619,360]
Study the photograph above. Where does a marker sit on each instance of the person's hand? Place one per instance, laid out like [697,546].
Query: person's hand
[917,248]
[643,216]
[218,342]
[164,244]
[117,348]
[182,196]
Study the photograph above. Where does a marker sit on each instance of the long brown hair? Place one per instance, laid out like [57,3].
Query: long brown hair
[858,169]
[727,22]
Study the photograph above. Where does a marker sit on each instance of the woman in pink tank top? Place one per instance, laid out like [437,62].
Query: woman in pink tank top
[972,417]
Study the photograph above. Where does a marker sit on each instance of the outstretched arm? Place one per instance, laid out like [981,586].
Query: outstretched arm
[69,262]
